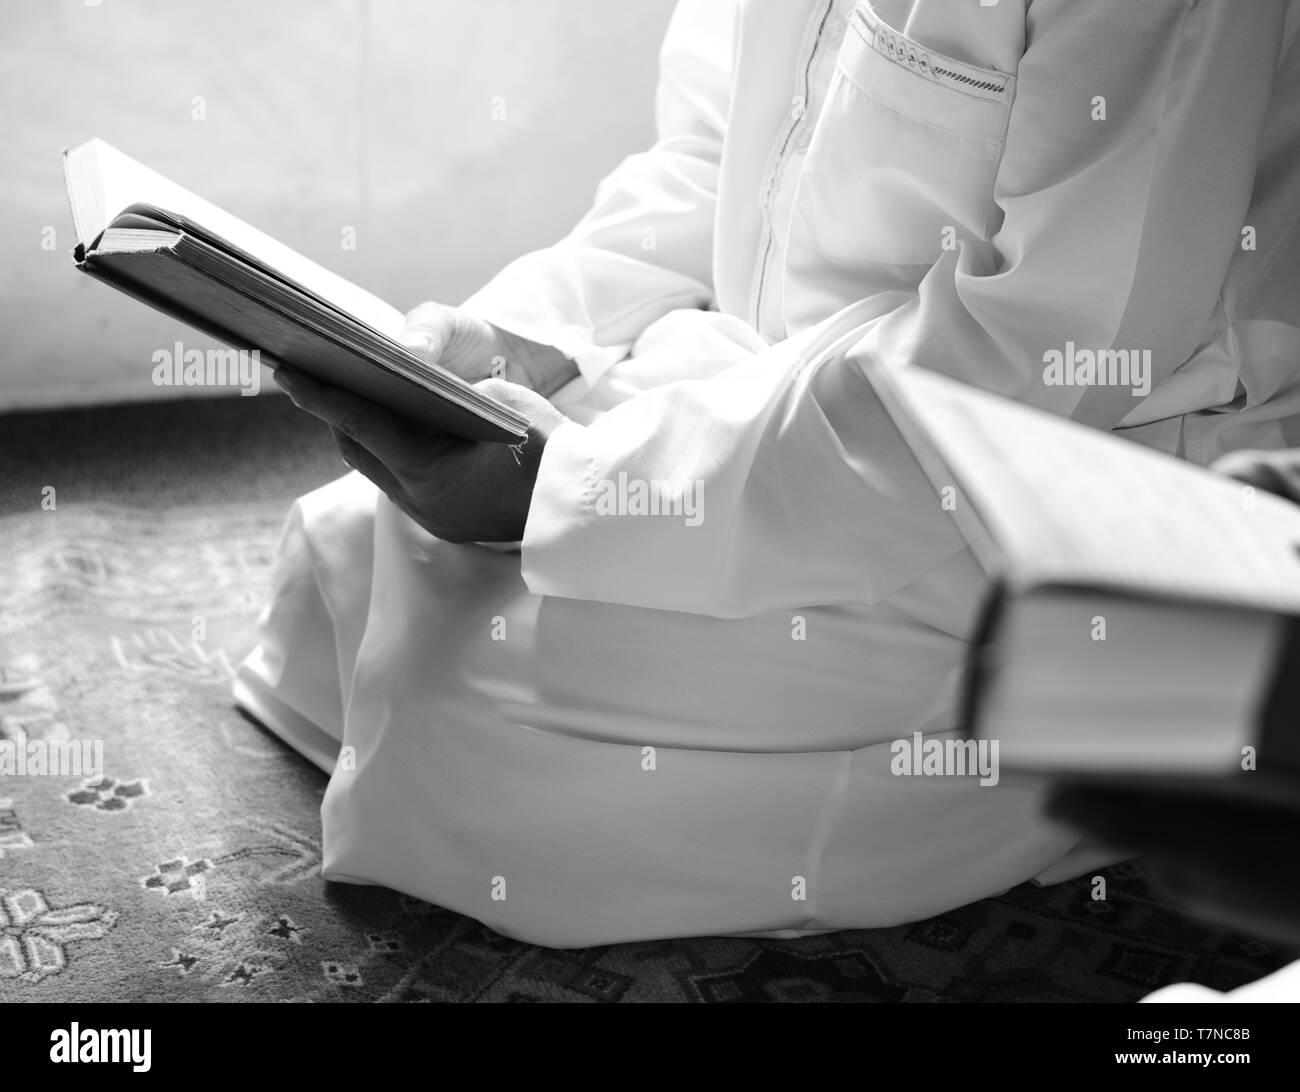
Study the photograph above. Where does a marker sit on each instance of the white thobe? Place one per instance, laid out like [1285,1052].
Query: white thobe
[658,726]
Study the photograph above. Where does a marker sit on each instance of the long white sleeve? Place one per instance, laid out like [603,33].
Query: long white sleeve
[646,246]
[1118,230]
[1115,232]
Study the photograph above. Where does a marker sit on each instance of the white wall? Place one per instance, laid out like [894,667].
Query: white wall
[320,115]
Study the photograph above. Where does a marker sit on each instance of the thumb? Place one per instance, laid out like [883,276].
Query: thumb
[1273,471]
[1246,465]
[427,329]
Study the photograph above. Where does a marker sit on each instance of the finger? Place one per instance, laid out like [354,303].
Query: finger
[366,462]
[543,417]
[1250,467]
[1273,471]
[369,466]
[376,429]
[425,330]
[1237,463]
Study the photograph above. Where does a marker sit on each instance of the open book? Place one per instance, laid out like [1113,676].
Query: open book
[1143,619]
[152,239]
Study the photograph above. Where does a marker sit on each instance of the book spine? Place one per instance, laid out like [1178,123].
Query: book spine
[979,657]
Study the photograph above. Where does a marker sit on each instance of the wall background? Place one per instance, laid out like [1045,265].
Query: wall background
[319,115]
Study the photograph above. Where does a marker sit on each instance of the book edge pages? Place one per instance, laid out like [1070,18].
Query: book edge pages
[75,183]
[100,267]
[436,380]
[1146,755]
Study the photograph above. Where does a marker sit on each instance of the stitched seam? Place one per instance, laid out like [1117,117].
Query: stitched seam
[970,81]
[1002,155]
[775,170]
[822,835]
[588,516]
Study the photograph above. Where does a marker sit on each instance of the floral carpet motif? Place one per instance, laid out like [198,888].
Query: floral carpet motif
[188,868]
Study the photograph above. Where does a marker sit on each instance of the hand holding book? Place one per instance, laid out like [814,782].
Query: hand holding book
[459,490]
[474,349]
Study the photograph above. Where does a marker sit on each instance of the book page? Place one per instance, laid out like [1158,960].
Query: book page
[1065,503]
[104,181]
[1169,691]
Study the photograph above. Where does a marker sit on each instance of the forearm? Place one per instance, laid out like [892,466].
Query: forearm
[711,496]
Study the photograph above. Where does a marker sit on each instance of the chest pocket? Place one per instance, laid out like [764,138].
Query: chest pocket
[900,166]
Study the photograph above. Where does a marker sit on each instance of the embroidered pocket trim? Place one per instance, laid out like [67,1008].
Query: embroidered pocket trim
[983,83]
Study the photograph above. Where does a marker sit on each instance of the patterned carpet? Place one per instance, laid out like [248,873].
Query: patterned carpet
[190,871]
